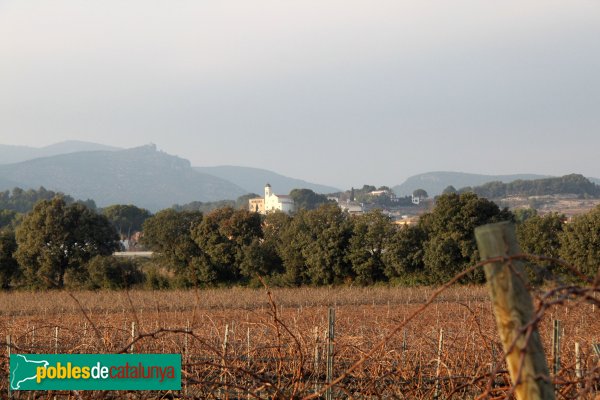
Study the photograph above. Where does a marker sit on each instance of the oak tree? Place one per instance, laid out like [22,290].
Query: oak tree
[9,268]
[55,238]
[580,242]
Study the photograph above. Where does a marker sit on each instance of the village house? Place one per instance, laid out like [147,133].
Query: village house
[388,193]
[352,207]
[271,202]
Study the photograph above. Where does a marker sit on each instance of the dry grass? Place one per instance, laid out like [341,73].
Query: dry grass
[285,354]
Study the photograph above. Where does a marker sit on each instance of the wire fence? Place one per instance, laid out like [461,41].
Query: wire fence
[430,348]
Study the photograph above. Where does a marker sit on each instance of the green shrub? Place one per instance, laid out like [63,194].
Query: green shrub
[113,273]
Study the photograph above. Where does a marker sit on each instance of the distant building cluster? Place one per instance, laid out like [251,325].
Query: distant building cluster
[271,202]
[277,202]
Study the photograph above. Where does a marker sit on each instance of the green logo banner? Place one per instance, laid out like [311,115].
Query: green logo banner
[95,372]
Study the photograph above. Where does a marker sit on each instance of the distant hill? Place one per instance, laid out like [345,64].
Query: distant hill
[14,154]
[595,180]
[435,182]
[142,176]
[7,184]
[253,180]
[573,184]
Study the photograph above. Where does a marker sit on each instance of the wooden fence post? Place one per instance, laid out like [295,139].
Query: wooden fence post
[249,381]
[404,347]
[223,390]
[513,309]
[185,341]
[316,359]
[556,347]
[578,371]
[248,348]
[8,345]
[438,369]
[185,356]
[493,364]
[330,348]
[56,340]
[132,348]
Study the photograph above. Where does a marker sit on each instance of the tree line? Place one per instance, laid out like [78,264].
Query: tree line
[21,201]
[62,244]
[569,184]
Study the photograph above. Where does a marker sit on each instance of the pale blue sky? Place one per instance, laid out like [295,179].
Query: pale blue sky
[337,92]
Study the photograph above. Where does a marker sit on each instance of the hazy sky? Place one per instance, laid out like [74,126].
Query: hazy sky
[337,92]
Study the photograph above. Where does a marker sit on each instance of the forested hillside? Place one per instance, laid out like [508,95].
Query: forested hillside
[435,182]
[569,184]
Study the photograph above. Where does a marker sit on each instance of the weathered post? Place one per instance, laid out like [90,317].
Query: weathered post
[185,355]
[132,348]
[578,371]
[8,345]
[404,347]
[56,340]
[316,359]
[249,382]
[185,341]
[330,348]
[438,370]
[493,364]
[224,363]
[556,347]
[513,309]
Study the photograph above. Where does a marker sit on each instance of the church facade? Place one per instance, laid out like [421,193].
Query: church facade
[271,202]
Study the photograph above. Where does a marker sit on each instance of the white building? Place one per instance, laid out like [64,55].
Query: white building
[352,207]
[271,202]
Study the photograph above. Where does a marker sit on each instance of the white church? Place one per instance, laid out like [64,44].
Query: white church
[271,202]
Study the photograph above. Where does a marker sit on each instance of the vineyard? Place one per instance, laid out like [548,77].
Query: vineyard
[286,343]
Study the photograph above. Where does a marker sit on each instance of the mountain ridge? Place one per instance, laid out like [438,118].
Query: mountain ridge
[154,179]
[143,176]
[11,154]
